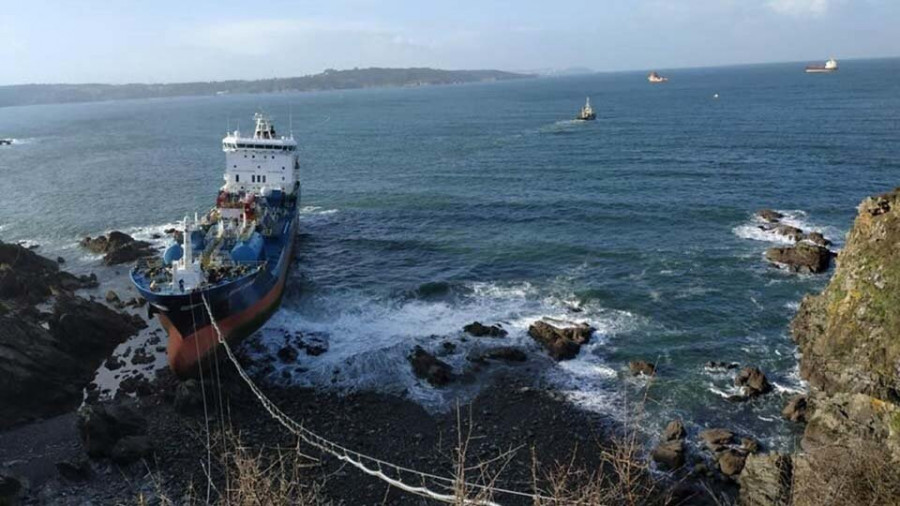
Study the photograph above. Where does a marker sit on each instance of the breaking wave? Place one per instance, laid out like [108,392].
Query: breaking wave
[757,229]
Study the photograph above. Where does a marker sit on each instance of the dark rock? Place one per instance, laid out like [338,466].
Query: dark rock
[795,410]
[804,258]
[769,215]
[753,382]
[731,462]
[674,431]
[507,353]
[138,385]
[130,449]
[188,396]
[478,330]
[561,344]
[641,367]
[60,260]
[287,354]
[448,347]
[101,426]
[74,470]
[313,343]
[792,233]
[112,297]
[113,363]
[426,366]
[766,480]
[818,239]
[669,454]
[10,490]
[724,366]
[118,247]
[716,439]
[141,356]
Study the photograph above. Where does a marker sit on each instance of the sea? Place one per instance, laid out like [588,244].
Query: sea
[427,208]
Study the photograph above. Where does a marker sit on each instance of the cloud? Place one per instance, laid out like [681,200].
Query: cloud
[799,7]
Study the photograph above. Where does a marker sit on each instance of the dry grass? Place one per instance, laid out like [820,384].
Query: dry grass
[862,474]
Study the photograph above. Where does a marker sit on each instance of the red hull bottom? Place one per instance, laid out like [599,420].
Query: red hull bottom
[185,353]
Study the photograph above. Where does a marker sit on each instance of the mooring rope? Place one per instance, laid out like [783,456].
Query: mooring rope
[357,459]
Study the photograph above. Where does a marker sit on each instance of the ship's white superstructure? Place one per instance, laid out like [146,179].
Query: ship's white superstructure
[830,66]
[262,162]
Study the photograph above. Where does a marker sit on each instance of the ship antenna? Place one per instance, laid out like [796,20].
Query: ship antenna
[291,119]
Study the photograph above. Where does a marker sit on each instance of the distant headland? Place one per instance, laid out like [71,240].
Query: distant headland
[330,79]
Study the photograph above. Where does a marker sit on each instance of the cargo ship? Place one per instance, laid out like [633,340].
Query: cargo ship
[586,113]
[235,258]
[830,66]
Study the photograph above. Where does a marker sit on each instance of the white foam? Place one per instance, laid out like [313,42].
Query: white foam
[316,210]
[755,229]
[369,340]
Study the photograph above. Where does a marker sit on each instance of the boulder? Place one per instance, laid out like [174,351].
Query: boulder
[137,385]
[669,454]
[101,426]
[749,445]
[731,462]
[766,480]
[716,439]
[74,470]
[753,382]
[818,239]
[714,365]
[60,260]
[477,329]
[505,353]
[674,431]
[130,449]
[803,258]
[769,215]
[287,354]
[426,366]
[792,233]
[560,343]
[118,247]
[112,297]
[641,368]
[795,410]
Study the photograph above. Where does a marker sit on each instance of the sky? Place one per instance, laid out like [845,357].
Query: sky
[122,41]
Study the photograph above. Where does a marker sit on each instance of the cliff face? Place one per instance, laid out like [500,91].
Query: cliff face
[850,335]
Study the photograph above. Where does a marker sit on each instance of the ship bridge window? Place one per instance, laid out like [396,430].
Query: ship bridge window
[237,177]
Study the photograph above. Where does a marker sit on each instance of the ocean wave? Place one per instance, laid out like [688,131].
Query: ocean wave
[369,340]
[316,210]
[756,228]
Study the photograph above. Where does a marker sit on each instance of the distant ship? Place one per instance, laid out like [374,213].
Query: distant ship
[6,142]
[233,261]
[587,113]
[656,78]
[830,66]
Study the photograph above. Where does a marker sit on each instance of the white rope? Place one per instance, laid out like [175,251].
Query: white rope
[357,458]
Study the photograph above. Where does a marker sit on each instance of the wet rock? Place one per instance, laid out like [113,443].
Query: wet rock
[477,329]
[753,382]
[75,469]
[10,489]
[669,454]
[641,368]
[716,439]
[731,462]
[769,215]
[141,356]
[112,297]
[766,480]
[101,426]
[60,260]
[713,365]
[793,233]
[803,258]
[114,363]
[506,353]
[130,449]
[674,431]
[137,385]
[118,248]
[313,343]
[818,239]
[188,396]
[795,410]
[426,366]
[287,354]
[560,343]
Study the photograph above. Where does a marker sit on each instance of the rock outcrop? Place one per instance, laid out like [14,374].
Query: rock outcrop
[560,343]
[430,368]
[118,247]
[117,431]
[478,329]
[753,382]
[849,338]
[769,215]
[802,258]
[46,359]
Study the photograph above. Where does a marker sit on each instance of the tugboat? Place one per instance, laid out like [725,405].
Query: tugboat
[653,77]
[235,258]
[830,66]
[587,113]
